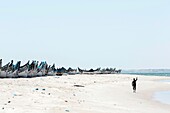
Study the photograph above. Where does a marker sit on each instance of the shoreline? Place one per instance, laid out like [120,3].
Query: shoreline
[82,94]
[163,97]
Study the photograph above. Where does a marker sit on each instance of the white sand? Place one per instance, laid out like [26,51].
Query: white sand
[101,94]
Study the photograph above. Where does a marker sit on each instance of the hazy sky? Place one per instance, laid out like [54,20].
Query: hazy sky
[87,33]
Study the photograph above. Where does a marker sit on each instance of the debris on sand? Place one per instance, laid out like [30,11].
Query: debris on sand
[66,101]
[67,110]
[79,86]
[17,94]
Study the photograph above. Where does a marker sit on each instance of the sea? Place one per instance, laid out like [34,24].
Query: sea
[161,96]
[148,74]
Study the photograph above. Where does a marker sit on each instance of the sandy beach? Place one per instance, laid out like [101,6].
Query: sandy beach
[82,94]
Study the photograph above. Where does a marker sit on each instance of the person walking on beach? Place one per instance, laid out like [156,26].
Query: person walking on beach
[134,84]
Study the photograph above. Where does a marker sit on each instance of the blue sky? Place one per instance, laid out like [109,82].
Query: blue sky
[89,33]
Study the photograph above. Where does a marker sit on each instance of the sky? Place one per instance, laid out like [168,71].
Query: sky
[127,34]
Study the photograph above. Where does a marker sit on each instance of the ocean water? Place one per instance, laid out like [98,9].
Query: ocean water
[163,97]
[149,74]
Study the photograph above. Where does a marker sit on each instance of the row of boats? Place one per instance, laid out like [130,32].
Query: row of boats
[36,69]
[33,69]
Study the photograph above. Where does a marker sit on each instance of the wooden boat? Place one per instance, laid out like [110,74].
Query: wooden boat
[32,70]
[12,71]
[23,70]
[3,69]
[42,69]
[51,70]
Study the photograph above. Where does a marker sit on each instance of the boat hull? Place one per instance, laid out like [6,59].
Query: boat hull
[3,74]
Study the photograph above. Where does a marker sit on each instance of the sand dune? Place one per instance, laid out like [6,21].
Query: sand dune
[82,94]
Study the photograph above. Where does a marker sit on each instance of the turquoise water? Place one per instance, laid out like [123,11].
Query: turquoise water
[150,74]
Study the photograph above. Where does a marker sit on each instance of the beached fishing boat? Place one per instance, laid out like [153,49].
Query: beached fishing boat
[90,71]
[51,70]
[3,69]
[71,71]
[32,71]
[61,71]
[12,71]
[41,69]
[23,70]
